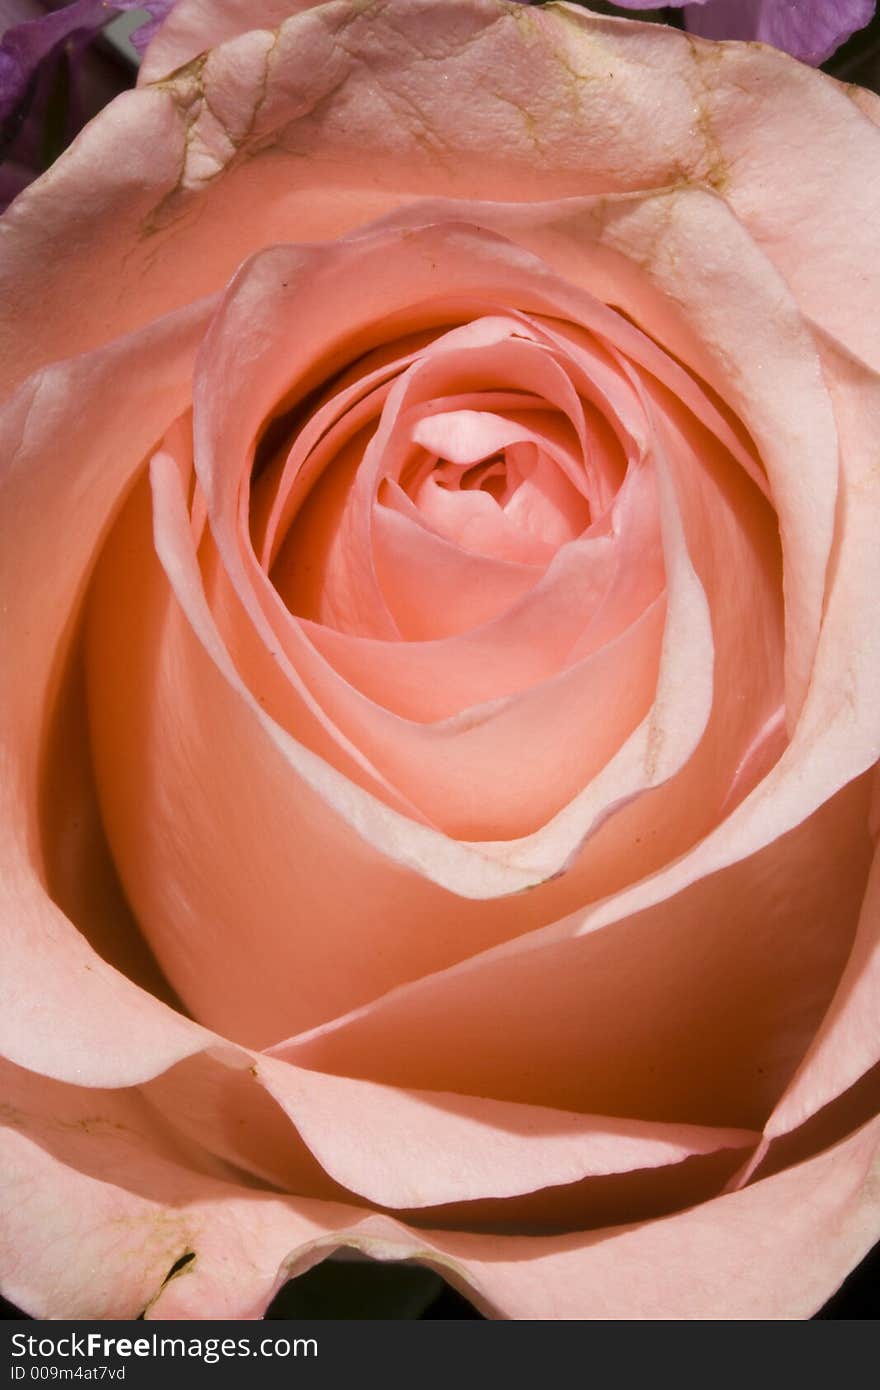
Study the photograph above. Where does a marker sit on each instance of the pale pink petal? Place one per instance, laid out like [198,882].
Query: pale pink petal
[475,588]
[124,1201]
[215,1101]
[448,769]
[762,394]
[664,1009]
[66,467]
[337,583]
[154,676]
[193,26]
[610,1199]
[145,159]
[847,1045]
[411,1149]
[774,1251]
[133,1211]
[405,1148]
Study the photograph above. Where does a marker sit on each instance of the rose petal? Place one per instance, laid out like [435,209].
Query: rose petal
[411,1149]
[846,1045]
[658,1008]
[475,588]
[704,321]
[773,1251]
[226,423]
[125,1202]
[193,26]
[209,705]
[453,1148]
[592,590]
[821,1217]
[58,501]
[815,219]
[152,857]
[833,733]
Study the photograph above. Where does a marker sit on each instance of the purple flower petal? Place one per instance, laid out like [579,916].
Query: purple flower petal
[158,10]
[30,41]
[52,80]
[809,29]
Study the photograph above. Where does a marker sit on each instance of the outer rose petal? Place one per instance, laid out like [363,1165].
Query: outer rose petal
[192,26]
[847,1045]
[453,1155]
[772,1251]
[124,1201]
[305,117]
[775,1250]
[49,972]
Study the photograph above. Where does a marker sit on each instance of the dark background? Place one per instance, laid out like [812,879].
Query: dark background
[367,1290]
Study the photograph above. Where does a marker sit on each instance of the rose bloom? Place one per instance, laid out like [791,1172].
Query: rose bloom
[440,573]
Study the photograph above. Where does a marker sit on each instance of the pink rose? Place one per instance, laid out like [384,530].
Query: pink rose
[440,508]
